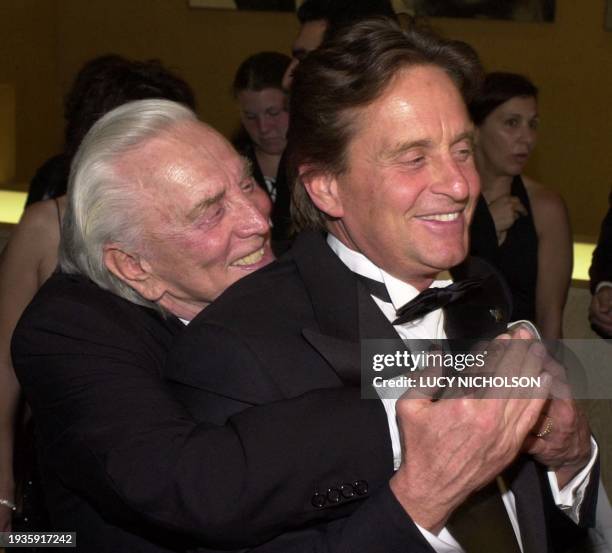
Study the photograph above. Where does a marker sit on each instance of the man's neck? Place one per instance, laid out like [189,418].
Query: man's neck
[181,309]
[341,239]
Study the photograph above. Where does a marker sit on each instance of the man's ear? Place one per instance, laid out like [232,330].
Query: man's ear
[323,191]
[134,271]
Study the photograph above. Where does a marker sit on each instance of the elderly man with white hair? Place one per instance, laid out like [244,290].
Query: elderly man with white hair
[163,216]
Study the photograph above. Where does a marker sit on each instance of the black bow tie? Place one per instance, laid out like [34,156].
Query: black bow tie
[427,301]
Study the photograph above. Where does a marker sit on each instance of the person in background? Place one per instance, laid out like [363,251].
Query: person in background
[600,310]
[519,226]
[263,134]
[31,253]
[319,18]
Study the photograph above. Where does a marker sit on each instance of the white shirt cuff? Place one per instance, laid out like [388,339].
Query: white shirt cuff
[443,542]
[389,405]
[569,499]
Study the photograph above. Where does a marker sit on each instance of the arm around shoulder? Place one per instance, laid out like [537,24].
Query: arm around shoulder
[236,484]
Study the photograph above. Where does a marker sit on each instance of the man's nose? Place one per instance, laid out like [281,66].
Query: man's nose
[452,180]
[249,220]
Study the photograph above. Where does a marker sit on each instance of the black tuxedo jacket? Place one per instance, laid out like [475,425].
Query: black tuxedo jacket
[295,326]
[126,466]
[601,267]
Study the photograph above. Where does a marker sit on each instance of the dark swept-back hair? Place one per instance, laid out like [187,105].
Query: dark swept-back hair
[497,88]
[260,71]
[351,71]
[109,81]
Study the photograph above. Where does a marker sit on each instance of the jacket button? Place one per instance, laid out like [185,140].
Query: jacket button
[347,491]
[318,500]
[361,487]
[334,495]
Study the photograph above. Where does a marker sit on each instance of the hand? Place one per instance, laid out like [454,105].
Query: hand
[565,446]
[452,447]
[600,310]
[505,210]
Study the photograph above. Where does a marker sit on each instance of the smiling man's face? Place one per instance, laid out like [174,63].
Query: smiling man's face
[204,220]
[408,195]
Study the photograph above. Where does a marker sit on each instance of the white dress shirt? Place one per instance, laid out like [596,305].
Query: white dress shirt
[431,326]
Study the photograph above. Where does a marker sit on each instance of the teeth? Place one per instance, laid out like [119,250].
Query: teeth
[250,259]
[442,217]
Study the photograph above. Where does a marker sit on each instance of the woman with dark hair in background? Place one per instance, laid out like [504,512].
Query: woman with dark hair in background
[30,255]
[262,138]
[519,226]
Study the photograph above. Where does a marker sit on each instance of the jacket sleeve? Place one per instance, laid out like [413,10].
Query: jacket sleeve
[102,406]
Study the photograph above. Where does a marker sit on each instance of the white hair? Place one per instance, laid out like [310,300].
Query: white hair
[102,207]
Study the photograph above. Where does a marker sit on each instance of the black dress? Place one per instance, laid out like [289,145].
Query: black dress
[516,257]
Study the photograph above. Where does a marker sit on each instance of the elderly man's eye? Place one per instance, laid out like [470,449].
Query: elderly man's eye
[248,185]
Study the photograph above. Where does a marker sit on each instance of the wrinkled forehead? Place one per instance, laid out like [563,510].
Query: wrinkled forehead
[188,147]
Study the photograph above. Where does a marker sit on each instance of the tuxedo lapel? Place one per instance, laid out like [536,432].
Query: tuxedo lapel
[524,481]
[343,356]
[330,284]
[344,311]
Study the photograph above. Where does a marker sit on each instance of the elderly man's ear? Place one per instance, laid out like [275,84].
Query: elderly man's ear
[135,271]
[323,191]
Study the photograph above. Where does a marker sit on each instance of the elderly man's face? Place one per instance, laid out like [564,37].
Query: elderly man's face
[205,221]
[408,196]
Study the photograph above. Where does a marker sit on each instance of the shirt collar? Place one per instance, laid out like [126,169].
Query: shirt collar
[399,291]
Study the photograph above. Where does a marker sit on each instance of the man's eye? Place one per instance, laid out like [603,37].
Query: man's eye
[250,116]
[248,185]
[464,153]
[211,215]
[534,124]
[415,161]
[512,123]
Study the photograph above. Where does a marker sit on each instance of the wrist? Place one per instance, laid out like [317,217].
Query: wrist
[566,472]
[418,507]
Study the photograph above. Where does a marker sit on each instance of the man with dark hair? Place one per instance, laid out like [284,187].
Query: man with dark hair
[600,310]
[319,18]
[381,150]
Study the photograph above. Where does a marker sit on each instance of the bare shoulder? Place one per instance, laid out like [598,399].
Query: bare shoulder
[548,205]
[33,244]
[41,216]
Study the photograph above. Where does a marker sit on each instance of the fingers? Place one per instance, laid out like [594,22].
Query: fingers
[517,206]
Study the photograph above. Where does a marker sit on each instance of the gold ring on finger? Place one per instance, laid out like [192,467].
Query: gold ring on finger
[546,428]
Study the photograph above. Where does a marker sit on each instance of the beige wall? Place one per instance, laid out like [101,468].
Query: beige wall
[204,46]
[570,60]
[28,63]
